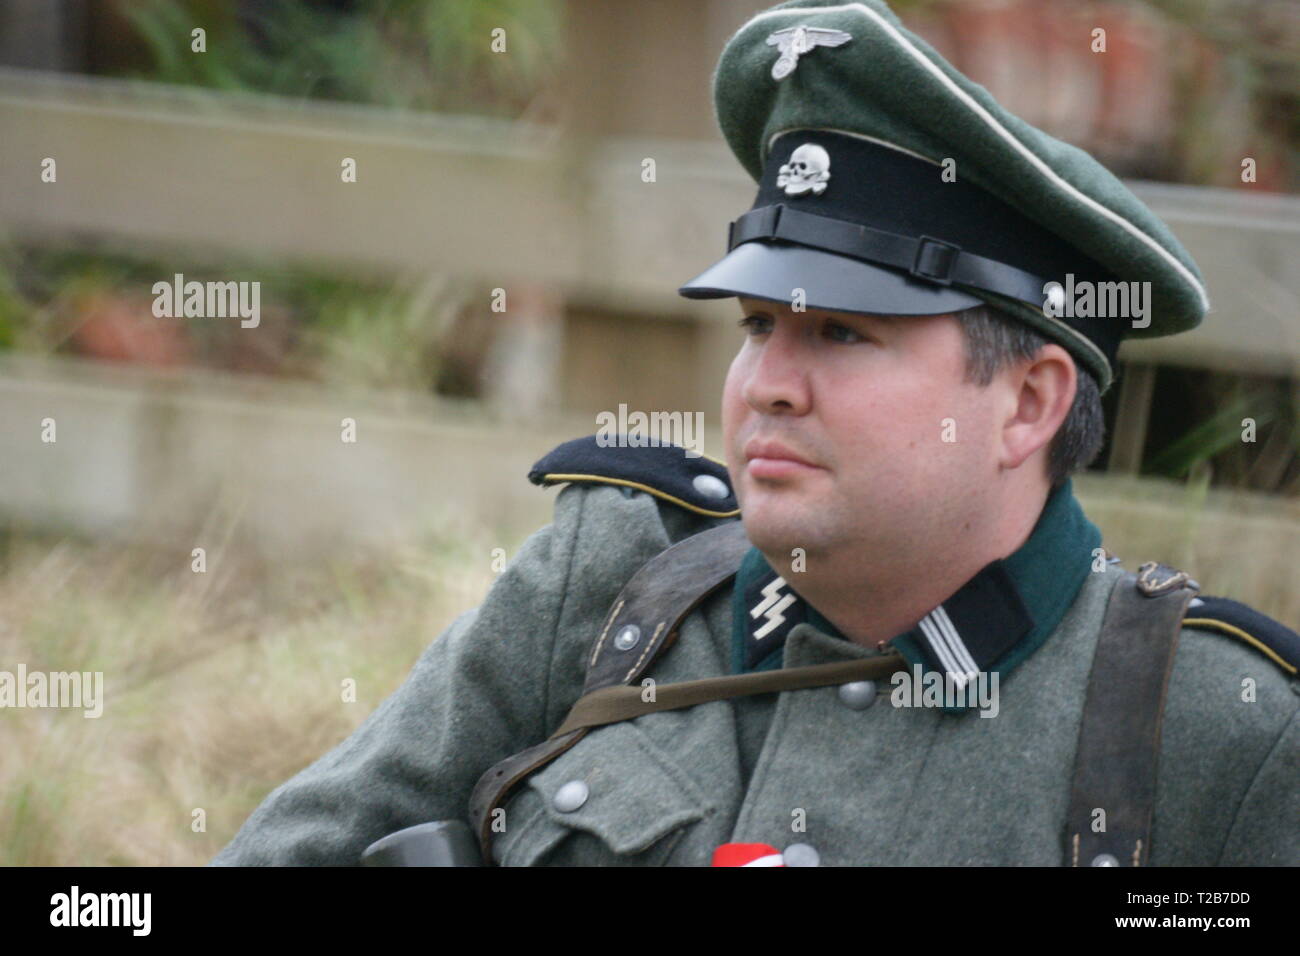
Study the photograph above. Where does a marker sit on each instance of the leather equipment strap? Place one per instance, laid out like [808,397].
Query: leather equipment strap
[641,625]
[1119,734]
[612,704]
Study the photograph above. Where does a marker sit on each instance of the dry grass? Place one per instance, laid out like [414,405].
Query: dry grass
[1238,545]
[217,686]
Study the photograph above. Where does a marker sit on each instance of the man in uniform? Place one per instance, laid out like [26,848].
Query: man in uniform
[912,649]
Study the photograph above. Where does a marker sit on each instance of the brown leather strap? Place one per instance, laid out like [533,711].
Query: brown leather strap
[657,599]
[1119,735]
[612,704]
[646,614]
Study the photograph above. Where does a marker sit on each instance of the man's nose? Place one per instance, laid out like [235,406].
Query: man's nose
[778,379]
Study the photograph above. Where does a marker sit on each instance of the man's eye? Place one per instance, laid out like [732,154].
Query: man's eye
[755,324]
[842,333]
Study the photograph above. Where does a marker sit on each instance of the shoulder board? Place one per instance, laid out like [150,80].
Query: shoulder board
[1274,640]
[699,484]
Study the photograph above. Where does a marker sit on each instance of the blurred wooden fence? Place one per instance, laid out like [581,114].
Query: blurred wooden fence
[162,171]
[506,205]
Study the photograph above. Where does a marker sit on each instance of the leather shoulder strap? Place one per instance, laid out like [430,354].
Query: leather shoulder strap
[642,624]
[1119,735]
[609,705]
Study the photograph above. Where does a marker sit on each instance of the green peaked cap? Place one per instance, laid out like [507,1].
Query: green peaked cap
[888,86]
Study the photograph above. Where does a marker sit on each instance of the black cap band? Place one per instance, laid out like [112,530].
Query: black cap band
[927,242]
[925,257]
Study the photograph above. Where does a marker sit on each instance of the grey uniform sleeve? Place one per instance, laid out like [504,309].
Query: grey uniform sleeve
[1266,829]
[476,695]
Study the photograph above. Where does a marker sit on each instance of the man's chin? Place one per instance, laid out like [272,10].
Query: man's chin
[779,529]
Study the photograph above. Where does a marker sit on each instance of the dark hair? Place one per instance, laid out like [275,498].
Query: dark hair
[993,341]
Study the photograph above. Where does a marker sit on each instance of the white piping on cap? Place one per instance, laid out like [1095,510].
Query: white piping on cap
[846,132]
[993,124]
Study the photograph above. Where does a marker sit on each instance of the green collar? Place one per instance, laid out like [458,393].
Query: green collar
[993,622]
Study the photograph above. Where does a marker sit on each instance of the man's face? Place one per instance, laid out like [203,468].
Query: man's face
[897,448]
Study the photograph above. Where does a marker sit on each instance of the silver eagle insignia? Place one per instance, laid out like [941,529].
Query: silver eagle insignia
[794,42]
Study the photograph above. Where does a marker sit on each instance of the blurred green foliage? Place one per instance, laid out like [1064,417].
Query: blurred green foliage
[12,309]
[343,330]
[1246,433]
[410,54]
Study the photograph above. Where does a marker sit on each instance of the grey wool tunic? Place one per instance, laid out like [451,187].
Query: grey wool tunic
[881,785]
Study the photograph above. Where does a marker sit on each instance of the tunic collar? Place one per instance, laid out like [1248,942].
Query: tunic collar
[993,622]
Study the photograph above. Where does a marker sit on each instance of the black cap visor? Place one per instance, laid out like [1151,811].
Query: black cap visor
[773,270]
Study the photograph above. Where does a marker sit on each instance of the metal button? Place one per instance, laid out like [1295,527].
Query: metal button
[858,694]
[571,796]
[1104,859]
[1056,297]
[801,854]
[711,487]
[626,639]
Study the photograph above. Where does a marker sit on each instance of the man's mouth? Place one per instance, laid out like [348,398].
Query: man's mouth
[771,459]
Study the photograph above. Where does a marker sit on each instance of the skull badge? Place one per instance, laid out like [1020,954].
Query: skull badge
[808,170]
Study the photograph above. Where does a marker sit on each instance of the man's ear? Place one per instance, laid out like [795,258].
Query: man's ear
[1043,390]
